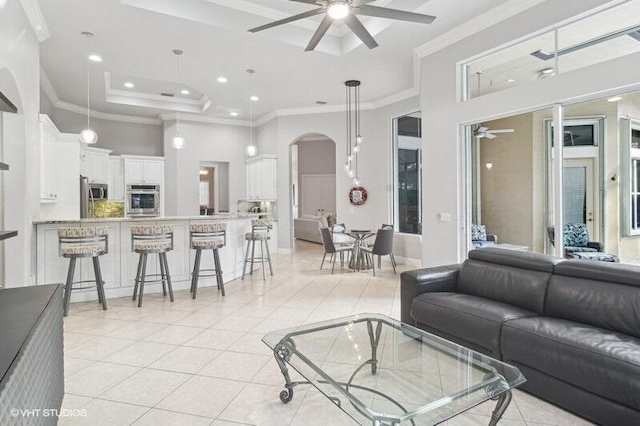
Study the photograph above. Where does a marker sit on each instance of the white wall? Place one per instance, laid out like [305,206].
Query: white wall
[19,56]
[276,136]
[204,143]
[120,137]
[443,114]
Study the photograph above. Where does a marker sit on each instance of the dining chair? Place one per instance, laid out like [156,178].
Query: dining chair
[383,246]
[383,226]
[330,248]
[338,234]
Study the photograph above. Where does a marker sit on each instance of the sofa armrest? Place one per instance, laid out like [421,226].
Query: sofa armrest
[596,245]
[413,283]
[492,237]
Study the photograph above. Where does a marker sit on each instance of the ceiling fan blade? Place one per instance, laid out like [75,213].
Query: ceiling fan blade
[320,32]
[400,15]
[482,129]
[359,2]
[490,135]
[356,26]
[304,15]
[503,131]
[305,1]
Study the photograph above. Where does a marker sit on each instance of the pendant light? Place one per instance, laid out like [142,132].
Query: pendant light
[178,142]
[88,135]
[354,138]
[252,150]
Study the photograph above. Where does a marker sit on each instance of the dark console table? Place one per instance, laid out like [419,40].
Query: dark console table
[31,354]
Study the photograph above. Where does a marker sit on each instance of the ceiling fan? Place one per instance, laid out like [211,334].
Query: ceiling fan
[485,132]
[346,11]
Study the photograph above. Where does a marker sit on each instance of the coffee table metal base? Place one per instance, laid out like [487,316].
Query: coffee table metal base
[287,347]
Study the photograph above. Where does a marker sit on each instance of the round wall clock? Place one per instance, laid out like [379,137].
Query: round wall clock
[358,196]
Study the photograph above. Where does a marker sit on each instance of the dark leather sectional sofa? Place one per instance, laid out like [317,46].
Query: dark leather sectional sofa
[571,326]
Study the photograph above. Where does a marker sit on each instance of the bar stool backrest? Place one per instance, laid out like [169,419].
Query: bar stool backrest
[152,234]
[75,240]
[260,226]
[206,231]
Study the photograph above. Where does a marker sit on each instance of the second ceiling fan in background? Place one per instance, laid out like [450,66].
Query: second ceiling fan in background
[346,11]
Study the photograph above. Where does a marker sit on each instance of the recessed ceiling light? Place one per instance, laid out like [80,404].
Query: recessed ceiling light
[95,58]
[255,98]
[234,114]
[615,99]
[222,79]
[511,80]
[129,85]
[185,92]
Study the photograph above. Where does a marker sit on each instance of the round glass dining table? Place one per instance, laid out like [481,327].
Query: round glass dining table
[359,259]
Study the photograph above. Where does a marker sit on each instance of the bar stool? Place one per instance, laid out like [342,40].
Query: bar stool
[78,243]
[259,232]
[146,240]
[207,236]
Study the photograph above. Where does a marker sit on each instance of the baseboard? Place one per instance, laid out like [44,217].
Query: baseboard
[408,261]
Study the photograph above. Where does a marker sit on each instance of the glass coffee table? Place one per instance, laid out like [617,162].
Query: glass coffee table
[383,372]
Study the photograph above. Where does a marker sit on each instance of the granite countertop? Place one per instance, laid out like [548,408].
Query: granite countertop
[223,216]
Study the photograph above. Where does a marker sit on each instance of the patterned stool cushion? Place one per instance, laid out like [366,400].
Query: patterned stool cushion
[151,245]
[151,229]
[208,227]
[256,236]
[76,232]
[261,222]
[580,250]
[478,233]
[80,249]
[208,242]
[597,256]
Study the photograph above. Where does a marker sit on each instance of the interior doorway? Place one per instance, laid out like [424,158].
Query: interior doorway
[579,193]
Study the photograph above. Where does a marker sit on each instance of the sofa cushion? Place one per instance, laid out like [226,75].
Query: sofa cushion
[478,233]
[479,244]
[601,361]
[575,235]
[593,256]
[508,276]
[600,294]
[470,318]
[569,249]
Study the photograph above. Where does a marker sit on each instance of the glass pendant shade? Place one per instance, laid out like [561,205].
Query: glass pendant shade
[356,182]
[359,140]
[252,151]
[178,142]
[89,137]
[338,9]
[347,167]
[350,173]
[356,149]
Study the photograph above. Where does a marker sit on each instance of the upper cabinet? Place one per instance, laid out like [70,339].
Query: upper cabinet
[94,164]
[116,178]
[143,170]
[262,178]
[59,165]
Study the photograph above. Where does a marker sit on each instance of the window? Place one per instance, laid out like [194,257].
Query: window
[407,165]
[630,175]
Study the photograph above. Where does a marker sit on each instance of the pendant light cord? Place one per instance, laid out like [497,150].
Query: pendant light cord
[178,103]
[88,85]
[251,107]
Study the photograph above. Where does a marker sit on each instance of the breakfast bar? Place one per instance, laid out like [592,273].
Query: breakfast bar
[120,263]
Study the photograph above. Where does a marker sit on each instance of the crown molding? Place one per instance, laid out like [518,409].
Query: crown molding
[36,18]
[52,95]
[192,118]
[475,25]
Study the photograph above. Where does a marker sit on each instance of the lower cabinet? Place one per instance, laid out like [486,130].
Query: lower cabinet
[120,265]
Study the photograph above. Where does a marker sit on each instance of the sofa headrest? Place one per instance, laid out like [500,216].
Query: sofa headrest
[600,271]
[516,258]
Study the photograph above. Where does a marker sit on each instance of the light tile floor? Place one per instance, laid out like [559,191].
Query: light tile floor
[202,362]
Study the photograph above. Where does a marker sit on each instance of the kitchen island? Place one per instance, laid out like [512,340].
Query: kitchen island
[120,264]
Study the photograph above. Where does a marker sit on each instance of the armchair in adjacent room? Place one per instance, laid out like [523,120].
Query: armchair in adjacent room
[578,246]
[480,238]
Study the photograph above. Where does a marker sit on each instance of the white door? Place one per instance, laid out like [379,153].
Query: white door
[133,171]
[580,194]
[99,165]
[318,193]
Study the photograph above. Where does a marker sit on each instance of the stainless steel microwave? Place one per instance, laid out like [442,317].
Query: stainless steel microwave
[143,200]
[98,191]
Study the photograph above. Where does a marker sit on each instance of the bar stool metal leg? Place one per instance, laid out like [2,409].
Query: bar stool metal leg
[99,283]
[166,270]
[246,259]
[266,243]
[163,276]
[264,277]
[196,273]
[142,276]
[137,283]
[253,255]
[69,285]
[218,266]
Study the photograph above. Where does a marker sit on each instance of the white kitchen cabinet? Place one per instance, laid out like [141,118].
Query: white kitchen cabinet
[48,174]
[147,171]
[94,164]
[116,179]
[262,178]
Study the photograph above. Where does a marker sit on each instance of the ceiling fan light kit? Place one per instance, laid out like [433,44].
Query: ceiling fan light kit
[346,11]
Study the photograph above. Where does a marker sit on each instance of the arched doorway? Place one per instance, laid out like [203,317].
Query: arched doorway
[312,166]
